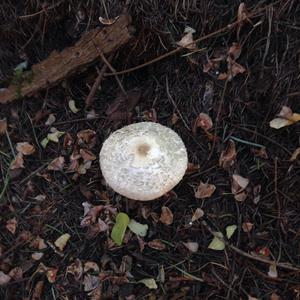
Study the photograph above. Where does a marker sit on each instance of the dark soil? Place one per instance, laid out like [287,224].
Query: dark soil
[240,109]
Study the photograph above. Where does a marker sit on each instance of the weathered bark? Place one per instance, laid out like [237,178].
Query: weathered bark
[72,60]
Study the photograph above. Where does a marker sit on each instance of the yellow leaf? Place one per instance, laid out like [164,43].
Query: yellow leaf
[217,243]
[73,107]
[61,242]
[230,230]
[149,283]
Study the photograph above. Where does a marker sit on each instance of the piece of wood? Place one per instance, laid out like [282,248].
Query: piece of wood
[72,60]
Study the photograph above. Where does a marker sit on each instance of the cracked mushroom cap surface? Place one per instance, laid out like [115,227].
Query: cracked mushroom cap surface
[143,161]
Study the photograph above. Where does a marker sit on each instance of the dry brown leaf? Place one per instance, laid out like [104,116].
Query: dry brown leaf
[90,282]
[3,126]
[87,155]
[68,140]
[238,186]
[38,290]
[166,216]
[205,190]
[228,156]
[192,168]
[203,121]
[76,269]
[234,68]
[187,40]
[295,154]
[16,273]
[192,246]
[174,119]
[235,51]
[4,279]
[252,298]
[51,274]
[18,162]
[247,226]
[274,296]
[286,118]
[57,164]
[261,152]
[87,137]
[25,148]
[11,225]
[38,243]
[199,213]
[108,21]
[91,266]
[156,244]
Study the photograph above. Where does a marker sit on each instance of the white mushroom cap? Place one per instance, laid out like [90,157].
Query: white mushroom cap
[143,161]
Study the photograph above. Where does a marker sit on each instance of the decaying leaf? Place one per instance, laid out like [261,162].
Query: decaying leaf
[230,230]
[203,121]
[166,216]
[108,21]
[119,229]
[16,273]
[295,154]
[51,119]
[149,283]
[38,290]
[138,228]
[235,50]
[261,152]
[217,243]
[11,225]
[274,296]
[192,246]
[247,226]
[37,255]
[187,39]
[199,213]
[3,126]
[286,117]
[157,244]
[228,156]
[25,148]
[51,274]
[87,137]
[57,164]
[273,271]
[205,190]
[61,242]
[18,162]
[76,269]
[87,155]
[238,187]
[72,106]
[4,279]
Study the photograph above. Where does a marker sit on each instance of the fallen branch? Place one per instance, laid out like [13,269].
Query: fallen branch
[72,60]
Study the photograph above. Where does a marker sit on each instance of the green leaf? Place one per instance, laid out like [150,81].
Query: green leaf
[230,230]
[73,107]
[118,231]
[54,136]
[138,228]
[217,243]
[44,142]
[149,283]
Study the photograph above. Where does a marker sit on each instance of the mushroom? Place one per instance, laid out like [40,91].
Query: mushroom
[143,161]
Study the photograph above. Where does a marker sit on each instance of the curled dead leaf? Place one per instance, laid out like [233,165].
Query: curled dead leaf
[57,164]
[18,162]
[156,244]
[87,137]
[238,187]
[203,121]
[235,50]
[286,117]
[11,225]
[108,21]
[205,190]
[199,213]
[25,148]
[228,156]
[247,226]
[192,246]
[187,40]
[87,155]
[166,216]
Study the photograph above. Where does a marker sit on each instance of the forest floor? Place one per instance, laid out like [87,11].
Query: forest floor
[218,94]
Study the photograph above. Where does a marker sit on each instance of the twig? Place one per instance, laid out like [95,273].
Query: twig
[203,38]
[96,85]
